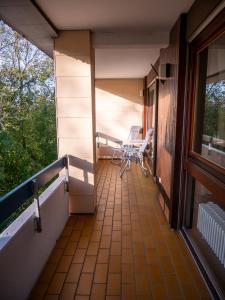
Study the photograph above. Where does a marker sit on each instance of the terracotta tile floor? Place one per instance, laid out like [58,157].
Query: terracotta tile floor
[125,251]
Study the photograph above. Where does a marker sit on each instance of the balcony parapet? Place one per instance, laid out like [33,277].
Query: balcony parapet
[23,250]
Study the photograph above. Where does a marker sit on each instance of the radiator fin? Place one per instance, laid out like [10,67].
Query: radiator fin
[211,224]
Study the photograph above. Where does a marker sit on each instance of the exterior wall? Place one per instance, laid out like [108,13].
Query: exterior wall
[170,99]
[171,103]
[23,251]
[74,70]
[118,107]
[166,119]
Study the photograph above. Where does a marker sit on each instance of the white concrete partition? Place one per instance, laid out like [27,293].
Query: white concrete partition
[75,101]
[23,251]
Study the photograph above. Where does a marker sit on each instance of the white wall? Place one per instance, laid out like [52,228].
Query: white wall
[119,106]
[24,252]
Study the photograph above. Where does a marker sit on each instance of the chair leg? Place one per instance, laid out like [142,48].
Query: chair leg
[129,164]
[125,164]
[143,169]
[113,159]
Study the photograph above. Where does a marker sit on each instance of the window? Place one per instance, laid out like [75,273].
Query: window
[204,188]
[209,128]
[151,114]
[206,230]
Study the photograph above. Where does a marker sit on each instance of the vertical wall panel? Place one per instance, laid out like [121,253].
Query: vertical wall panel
[170,118]
[76,115]
[167,105]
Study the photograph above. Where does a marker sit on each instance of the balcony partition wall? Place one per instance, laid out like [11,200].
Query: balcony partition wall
[75,100]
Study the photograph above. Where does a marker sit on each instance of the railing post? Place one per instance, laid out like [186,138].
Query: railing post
[37,218]
[98,139]
[210,145]
[66,164]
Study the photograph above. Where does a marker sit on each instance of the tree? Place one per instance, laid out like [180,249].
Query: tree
[27,109]
[214,121]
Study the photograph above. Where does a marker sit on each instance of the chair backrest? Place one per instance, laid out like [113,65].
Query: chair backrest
[146,140]
[134,133]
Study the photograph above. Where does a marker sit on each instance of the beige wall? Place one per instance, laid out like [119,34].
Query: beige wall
[74,70]
[118,107]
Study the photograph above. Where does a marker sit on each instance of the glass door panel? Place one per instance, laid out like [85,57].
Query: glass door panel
[151,122]
[206,229]
[209,128]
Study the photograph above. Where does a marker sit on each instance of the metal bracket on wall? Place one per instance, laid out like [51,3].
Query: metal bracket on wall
[37,218]
[66,163]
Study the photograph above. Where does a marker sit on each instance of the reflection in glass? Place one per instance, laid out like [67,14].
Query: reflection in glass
[207,231]
[150,122]
[209,139]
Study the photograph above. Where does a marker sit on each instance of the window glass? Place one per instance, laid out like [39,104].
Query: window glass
[151,106]
[209,134]
[150,109]
[207,231]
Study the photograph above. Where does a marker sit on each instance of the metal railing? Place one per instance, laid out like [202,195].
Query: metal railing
[105,139]
[29,189]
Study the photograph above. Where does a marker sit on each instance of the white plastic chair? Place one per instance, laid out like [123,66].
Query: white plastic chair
[136,155]
[132,138]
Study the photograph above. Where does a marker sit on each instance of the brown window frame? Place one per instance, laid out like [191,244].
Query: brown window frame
[206,172]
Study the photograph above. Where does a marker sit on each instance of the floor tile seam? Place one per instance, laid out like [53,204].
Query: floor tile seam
[109,171]
[145,248]
[103,183]
[131,240]
[117,177]
[55,272]
[78,281]
[193,282]
[95,262]
[177,277]
[46,294]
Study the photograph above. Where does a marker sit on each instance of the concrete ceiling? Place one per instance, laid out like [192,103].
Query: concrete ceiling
[142,27]
[24,17]
[128,34]
[125,54]
[111,15]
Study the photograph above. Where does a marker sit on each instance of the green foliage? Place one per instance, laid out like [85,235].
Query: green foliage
[214,121]
[27,109]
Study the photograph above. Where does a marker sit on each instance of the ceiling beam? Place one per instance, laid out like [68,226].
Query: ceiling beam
[130,40]
[24,17]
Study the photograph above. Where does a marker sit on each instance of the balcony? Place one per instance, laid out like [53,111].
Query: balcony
[125,250]
[91,234]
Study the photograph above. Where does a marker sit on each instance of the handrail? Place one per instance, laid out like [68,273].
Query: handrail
[14,199]
[107,138]
[213,140]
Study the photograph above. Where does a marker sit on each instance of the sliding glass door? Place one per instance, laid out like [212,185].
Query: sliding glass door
[204,215]
[151,121]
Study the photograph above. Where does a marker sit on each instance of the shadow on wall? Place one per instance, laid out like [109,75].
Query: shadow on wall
[83,165]
[124,88]
[77,47]
[81,176]
[119,106]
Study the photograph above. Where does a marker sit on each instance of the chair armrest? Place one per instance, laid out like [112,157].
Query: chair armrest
[133,142]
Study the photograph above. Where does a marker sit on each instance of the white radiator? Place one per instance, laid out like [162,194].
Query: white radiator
[211,224]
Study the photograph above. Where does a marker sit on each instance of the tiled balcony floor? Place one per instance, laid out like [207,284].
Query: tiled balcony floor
[125,251]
